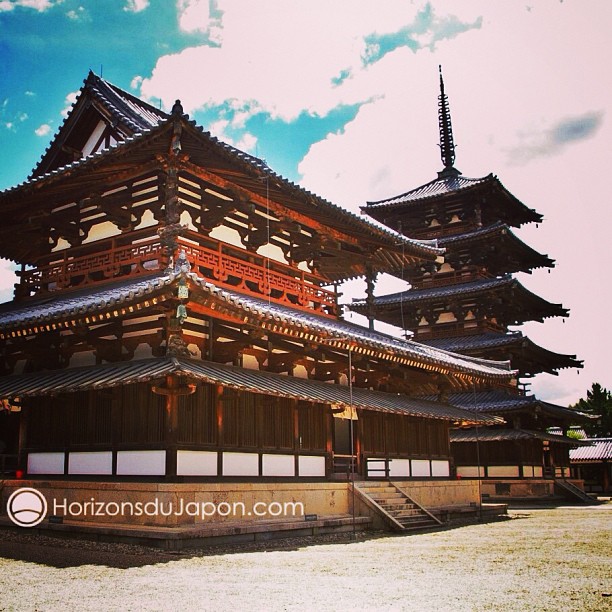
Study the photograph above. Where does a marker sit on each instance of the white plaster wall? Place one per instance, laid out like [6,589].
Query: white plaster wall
[503,471]
[240,464]
[196,463]
[147,220]
[82,358]
[311,466]
[300,371]
[90,463]
[278,465]
[102,230]
[141,463]
[528,471]
[249,362]
[45,463]
[227,234]
[440,468]
[399,467]
[420,467]
[470,471]
[376,467]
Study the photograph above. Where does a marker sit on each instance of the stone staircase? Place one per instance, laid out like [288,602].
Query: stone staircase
[398,511]
[571,491]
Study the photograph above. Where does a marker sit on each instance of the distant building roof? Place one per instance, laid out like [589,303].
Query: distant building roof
[502,435]
[447,186]
[600,449]
[500,402]
[533,308]
[526,350]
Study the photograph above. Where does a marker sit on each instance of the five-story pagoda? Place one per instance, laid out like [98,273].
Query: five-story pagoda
[469,304]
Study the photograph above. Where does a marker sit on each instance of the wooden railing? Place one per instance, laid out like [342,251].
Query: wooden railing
[259,276]
[108,260]
[227,266]
[443,279]
[456,328]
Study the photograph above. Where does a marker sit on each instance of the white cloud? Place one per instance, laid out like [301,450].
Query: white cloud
[279,57]
[222,129]
[193,15]
[76,14]
[552,139]
[136,82]
[7,280]
[43,129]
[71,98]
[135,6]
[38,5]
[516,85]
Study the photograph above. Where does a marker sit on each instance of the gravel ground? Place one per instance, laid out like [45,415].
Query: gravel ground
[543,559]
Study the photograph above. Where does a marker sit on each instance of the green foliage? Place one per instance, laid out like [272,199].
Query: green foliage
[598,402]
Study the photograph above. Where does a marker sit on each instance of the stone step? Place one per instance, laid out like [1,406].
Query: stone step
[377,490]
[394,501]
[398,506]
[406,512]
[422,524]
[386,495]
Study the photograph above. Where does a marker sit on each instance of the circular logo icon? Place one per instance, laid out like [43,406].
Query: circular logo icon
[26,507]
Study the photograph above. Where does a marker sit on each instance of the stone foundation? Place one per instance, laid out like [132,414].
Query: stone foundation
[522,488]
[169,505]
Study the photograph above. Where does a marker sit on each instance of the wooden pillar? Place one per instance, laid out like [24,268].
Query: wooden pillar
[329,444]
[357,442]
[370,280]
[24,417]
[220,434]
[172,391]
[296,436]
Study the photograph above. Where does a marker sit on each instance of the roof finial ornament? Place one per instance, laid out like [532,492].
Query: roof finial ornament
[447,144]
[177,108]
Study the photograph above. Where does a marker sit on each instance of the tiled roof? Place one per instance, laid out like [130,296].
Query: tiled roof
[414,295]
[147,121]
[350,333]
[471,288]
[491,401]
[137,114]
[477,341]
[450,185]
[600,449]
[500,435]
[495,231]
[340,334]
[438,187]
[77,303]
[128,372]
[492,340]
[501,402]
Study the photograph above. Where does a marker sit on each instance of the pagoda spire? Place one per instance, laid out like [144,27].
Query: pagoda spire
[447,144]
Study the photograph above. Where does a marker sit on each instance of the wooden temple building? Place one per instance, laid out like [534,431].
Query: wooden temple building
[176,319]
[468,305]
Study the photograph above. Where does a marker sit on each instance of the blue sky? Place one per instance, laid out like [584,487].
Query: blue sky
[341,96]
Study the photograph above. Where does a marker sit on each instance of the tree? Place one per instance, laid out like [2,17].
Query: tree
[598,403]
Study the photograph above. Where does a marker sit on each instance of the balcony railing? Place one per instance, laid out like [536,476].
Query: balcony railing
[256,275]
[226,266]
[95,263]
[442,279]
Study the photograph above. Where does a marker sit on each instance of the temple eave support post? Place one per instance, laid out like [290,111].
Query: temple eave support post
[172,391]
